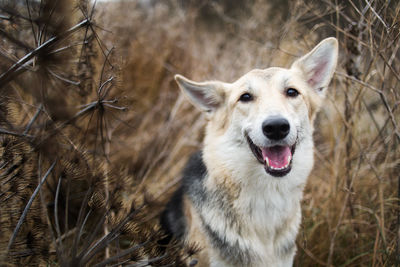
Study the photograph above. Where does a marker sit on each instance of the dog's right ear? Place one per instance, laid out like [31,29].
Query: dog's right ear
[319,65]
[206,96]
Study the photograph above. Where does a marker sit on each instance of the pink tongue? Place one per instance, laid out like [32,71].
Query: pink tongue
[277,156]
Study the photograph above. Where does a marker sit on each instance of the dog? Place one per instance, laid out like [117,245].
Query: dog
[240,196]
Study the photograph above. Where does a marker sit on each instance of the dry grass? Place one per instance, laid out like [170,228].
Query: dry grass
[103,105]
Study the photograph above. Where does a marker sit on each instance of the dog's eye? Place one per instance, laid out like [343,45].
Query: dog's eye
[246,97]
[291,92]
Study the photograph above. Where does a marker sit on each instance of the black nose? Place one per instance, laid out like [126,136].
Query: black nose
[276,128]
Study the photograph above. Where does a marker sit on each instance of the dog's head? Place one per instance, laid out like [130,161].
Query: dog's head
[268,112]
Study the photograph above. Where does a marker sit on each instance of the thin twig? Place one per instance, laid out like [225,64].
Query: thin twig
[79,223]
[5,17]
[147,262]
[63,78]
[106,239]
[377,15]
[92,236]
[28,205]
[30,18]
[61,49]
[9,74]
[28,127]
[3,131]
[121,254]
[57,221]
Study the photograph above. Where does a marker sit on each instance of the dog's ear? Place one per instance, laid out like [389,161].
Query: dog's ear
[206,96]
[318,66]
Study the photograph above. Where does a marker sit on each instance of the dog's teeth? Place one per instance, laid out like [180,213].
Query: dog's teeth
[288,161]
[267,162]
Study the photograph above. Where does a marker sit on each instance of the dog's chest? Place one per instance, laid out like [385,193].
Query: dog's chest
[263,232]
[272,224]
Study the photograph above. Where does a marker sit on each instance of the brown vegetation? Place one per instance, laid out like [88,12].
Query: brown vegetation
[92,121]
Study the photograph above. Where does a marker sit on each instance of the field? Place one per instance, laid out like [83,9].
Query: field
[94,132]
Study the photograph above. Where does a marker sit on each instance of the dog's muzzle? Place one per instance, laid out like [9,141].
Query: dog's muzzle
[277,159]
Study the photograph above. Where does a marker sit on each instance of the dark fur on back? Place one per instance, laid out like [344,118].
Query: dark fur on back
[172,219]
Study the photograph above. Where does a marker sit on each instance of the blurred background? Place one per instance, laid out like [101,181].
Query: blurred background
[94,131]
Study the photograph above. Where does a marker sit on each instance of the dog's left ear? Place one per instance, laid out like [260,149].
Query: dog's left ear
[206,96]
[319,65]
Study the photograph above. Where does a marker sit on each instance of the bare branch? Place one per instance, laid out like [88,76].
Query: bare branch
[10,73]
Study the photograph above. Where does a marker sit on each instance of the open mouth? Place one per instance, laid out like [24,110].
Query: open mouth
[277,160]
